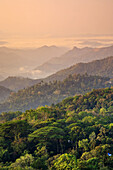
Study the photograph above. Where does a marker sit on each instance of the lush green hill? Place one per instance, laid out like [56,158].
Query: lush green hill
[75,134]
[96,99]
[102,67]
[4,93]
[17,83]
[53,92]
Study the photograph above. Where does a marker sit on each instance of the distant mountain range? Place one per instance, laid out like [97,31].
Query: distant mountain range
[74,56]
[103,67]
[44,61]
[21,62]
[17,83]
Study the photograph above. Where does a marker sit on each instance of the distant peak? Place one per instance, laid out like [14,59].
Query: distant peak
[75,48]
[46,46]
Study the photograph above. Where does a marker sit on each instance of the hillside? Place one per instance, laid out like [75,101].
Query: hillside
[4,93]
[20,62]
[75,134]
[53,92]
[96,99]
[103,67]
[74,56]
[17,83]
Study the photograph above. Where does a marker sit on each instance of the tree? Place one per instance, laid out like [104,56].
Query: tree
[24,162]
[47,135]
[84,144]
[66,161]
[92,137]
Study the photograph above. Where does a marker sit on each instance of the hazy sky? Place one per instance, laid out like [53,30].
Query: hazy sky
[31,19]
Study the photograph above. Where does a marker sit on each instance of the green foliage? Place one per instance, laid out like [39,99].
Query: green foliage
[24,162]
[76,133]
[65,161]
[84,144]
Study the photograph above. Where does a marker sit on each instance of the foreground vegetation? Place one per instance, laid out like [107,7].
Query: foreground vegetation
[75,134]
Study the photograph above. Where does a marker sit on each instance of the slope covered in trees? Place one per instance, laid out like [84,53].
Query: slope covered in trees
[53,92]
[4,93]
[102,67]
[64,136]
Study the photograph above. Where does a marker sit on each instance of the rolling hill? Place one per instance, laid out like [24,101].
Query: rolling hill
[103,67]
[53,92]
[74,56]
[17,83]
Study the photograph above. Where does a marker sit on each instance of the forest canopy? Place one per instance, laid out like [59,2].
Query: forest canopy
[76,133]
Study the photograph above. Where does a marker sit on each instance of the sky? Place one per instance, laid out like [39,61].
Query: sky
[55,22]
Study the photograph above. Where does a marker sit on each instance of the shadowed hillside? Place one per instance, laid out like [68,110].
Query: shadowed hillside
[53,92]
[4,93]
[102,67]
[74,56]
[17,83]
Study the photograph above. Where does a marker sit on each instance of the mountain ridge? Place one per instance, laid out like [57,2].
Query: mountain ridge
[74,56]
[20,62]
[103,67]
[18,83]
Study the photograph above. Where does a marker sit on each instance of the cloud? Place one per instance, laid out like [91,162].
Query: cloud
[35,72]
[22,69]
[3,42]
[96,43]
[91,43]
[103,40]
[30,72]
